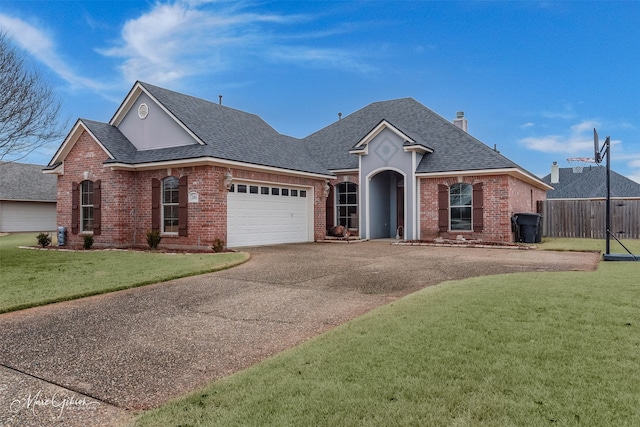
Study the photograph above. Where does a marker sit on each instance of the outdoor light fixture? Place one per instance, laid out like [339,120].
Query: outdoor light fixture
[227,179]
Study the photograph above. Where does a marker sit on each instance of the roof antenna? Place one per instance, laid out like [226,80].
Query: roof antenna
[339,116]
[220,99]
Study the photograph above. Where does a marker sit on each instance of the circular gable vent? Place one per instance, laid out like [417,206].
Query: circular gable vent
[143,111]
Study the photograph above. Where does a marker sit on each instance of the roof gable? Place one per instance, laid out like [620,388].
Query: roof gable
[409,143]
[149,125]
[80,126]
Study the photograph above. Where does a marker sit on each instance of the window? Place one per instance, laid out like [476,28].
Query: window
[294,193]
[347,204]
[285,192]
[242,188]
[460,204]
[264,190]
[275,191]
[253,189]
[86,206]
[303,193]
[170,205]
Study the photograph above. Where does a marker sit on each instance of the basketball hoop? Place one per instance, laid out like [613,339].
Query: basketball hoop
[579,163]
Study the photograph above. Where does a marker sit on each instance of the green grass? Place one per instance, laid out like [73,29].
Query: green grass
[510,350]
[561,244]
[32,277]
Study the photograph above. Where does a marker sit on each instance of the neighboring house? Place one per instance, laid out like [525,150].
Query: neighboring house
[197,171]
[590,183]
[27,198]
[576,207]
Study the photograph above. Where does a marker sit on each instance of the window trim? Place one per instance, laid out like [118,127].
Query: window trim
[468,206]
[90,206]
[163,204]
[338,191]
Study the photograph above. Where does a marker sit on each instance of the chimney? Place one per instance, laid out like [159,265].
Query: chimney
[460,121]
[555,173]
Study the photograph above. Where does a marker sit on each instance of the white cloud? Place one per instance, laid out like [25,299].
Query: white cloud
[577,142]
[185,38]
[41,46]
[527,125]
[635,177]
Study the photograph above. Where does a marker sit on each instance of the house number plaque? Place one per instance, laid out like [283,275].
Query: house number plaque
[193,197]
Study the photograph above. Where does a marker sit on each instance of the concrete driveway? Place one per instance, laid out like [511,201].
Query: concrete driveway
[96,360]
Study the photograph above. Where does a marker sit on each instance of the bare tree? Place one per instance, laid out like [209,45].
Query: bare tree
[28,108]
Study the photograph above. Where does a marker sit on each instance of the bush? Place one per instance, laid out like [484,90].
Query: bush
[44,239]
[218,245]
[153,239]
[88,242]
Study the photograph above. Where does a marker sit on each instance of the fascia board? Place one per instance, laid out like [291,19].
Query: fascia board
[58,170]
[514,172]
[29,200]
[362,150]
[417,148]
[212,161]
[343,171]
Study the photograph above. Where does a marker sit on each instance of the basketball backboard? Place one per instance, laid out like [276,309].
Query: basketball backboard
[596,147]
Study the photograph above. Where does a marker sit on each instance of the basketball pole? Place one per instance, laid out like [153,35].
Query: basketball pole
[607,152]
[598,153]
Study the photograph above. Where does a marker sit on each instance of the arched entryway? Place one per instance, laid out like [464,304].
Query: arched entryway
[386,205]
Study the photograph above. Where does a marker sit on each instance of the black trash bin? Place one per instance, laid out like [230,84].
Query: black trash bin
[529,227]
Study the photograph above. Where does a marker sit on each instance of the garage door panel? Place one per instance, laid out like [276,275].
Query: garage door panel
[263,219]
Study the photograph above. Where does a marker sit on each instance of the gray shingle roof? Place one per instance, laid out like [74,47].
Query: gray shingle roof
[453,148]
[229,134]
[236,135]
[111,138]
[590,183]
[22,181]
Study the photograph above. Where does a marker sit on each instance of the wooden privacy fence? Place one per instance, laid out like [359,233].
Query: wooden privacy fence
[586,218]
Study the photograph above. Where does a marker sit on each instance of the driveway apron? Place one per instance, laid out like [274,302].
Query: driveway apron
[96,360]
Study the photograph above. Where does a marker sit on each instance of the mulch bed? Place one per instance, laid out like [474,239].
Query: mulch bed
[466,243]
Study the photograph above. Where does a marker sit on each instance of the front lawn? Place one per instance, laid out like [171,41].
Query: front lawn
[36,277]
[526,349]
[563,244]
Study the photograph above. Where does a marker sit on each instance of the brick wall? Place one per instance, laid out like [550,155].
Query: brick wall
[503,195]
[126,199]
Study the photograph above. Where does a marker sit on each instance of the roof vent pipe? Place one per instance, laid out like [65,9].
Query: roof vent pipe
[460,121]
[555,173]
[220,99]
[339,116]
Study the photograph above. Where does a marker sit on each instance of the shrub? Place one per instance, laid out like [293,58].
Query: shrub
[218,245]
[88,242]
[153,239]
[44,239]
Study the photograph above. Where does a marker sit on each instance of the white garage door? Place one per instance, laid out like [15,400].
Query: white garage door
[265,214]
[27,216]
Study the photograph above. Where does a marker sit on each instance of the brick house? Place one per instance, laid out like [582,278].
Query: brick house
[198,171]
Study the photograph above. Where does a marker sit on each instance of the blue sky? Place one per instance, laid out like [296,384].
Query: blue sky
[534,78]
